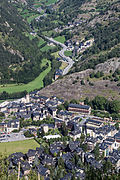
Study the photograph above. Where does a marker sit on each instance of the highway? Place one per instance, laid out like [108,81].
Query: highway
[61,54]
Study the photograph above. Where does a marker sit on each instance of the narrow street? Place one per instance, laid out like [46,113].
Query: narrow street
[61,54]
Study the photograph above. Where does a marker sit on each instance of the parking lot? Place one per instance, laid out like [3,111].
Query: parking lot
[12,137]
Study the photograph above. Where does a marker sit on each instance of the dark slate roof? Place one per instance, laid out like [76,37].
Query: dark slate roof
[42,170]
[18,155]
[91,139]
[96,164]
[79,106]
[58,72]
[68,176]
[89,157]
[43,97]
[65,113]
[25,166]
[73,145]
[69,165]
[48,160]
[14,123]
[67,156]
[93,121]
[75,132]
[31,153]
[103,146]
[105,129]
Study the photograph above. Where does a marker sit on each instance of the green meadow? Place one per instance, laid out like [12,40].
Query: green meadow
[35,84]
[18,146]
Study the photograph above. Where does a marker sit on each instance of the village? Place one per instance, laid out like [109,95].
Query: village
[69,133]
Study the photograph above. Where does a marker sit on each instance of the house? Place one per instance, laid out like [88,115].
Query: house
[117,140]
[93,123]
[67,176]
[90,130]
[13,125]
[69,165]
[78,108]
[3,108]
[3,127]
[39,151]
[31,155]
[73,145]
[36,116]
[52,111]
[110,141]
[43,99]
[45,128]
[114,157]
[56,148]
[33,131]
[105,131]
[25,167]
[75,134]
[104,149]
[89,157]
[58,122]
[48,160]
[43,171]
[91,142]
[65,115]
[58,73]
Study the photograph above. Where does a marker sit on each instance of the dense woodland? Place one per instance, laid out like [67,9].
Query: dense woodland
[107,39]
[20,57]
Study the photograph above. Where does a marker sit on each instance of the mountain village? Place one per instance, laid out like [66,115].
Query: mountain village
[73,132]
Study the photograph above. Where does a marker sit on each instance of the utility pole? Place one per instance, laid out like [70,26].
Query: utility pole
[18,170]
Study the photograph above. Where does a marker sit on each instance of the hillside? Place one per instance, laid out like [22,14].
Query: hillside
[88,83]
[20,53]
[23,47]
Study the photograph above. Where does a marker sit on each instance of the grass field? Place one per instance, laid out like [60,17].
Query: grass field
[18,146]
[47,33]
[29,19]
[31,37]
[44,62]
[60,39]
[63,65]
[68,53]
[41,41]
[46,2]
[56,54]
[35,84]
[46,48]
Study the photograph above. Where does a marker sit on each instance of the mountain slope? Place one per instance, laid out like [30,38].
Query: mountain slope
[88,83]
[20,56]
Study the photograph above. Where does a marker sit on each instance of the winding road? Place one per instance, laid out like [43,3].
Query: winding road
[61,54]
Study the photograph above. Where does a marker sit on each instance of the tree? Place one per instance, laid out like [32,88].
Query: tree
[114,106]
[96,151]
[117,125]
[66,104]
[64,130]
[82,82]
[82,138]
[61,162]
[86,101]
[107,166]
[74,101]
[27,134]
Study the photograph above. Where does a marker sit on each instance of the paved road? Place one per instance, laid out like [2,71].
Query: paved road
[61,54]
